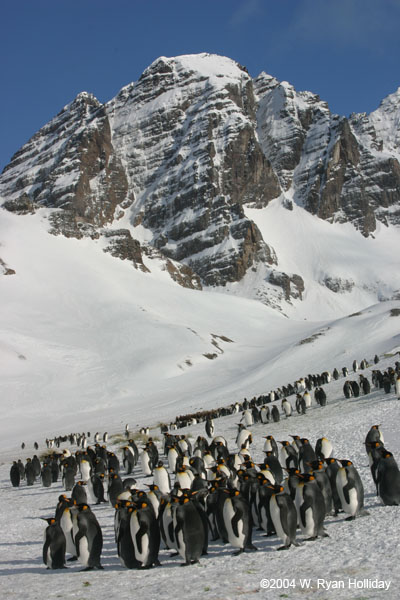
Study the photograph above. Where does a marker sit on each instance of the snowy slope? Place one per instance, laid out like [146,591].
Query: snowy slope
[365,550]
[86,335]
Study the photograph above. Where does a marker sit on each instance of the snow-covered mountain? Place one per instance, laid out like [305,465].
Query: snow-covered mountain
[172,168]
[204,225]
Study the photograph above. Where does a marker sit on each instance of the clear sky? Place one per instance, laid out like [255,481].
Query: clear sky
[347,51]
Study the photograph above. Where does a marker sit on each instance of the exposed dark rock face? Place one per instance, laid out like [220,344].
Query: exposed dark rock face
[123,246]
[4,269]
[338,285]
[292,285]
[339,169]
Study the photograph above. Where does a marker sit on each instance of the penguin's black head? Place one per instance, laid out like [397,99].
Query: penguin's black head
[50,521]
[306,477]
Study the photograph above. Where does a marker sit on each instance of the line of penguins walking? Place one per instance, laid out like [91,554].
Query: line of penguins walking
[217,494]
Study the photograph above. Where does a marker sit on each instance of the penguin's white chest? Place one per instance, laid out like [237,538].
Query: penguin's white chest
[228,514]
[145,463]
[161,479]
[84,551]
[142,555]
[85,470]
[275,512]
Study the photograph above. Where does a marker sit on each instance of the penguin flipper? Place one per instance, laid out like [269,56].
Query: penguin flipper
[235,521]
[45,552]
[139,535]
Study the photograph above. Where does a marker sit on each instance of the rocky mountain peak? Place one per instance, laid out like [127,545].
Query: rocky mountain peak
[181,153]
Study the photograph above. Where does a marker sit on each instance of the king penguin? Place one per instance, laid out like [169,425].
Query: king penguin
[15,475]
[284,516]
[237,521]
[188,530]
[310,507]
[350,490]
[388,480]
[89,538]
[54,545]
[145,533]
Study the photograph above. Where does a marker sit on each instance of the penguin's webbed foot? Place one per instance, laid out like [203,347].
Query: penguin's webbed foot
[284,547]
[174,554]
[238,552]
[251,547]
[72,558]
[351,518]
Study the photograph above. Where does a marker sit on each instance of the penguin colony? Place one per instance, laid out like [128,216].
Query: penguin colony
[217,493]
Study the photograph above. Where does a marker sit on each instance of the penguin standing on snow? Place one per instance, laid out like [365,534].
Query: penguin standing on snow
[188,528]
[237,521]
[63,517]
[287,407]
[276,417]
[15,475]
[350,490]
[332,468]
[54,545]
[46,475]
[145,534]
[284,516]
[210,427]
[125,548]
[310,507]
[89,538]
[388,480]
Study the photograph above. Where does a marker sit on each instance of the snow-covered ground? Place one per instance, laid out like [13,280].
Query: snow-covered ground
[364,551]
[88,343]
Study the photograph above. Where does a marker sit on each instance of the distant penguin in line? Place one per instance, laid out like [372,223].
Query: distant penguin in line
[287,407]
[161,478]
[275,414]
[323,448]
[54,545]
[210,427]
[15,476]
[46,475]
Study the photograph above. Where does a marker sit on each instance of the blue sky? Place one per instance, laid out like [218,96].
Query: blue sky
[347,51]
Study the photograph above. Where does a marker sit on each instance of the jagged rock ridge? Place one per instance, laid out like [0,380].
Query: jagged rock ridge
[183,150]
